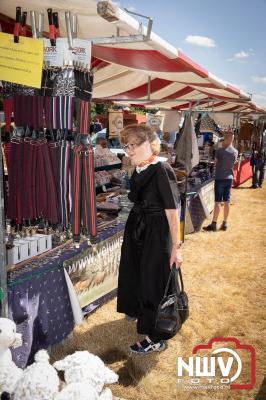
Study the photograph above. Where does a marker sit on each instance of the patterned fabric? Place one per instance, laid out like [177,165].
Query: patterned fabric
[207,124]
[39,300]
[187,153]
[41,309]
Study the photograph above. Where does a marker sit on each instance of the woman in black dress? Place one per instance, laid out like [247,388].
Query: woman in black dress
[151,242]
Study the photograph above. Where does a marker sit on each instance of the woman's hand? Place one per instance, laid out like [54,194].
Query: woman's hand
[176,258]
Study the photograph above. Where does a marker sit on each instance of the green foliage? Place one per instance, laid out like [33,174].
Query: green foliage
[98,109]
[102,108]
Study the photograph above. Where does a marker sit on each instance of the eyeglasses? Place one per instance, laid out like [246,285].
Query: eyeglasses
[130,146]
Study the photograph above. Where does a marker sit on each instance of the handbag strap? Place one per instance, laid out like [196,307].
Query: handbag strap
[174,276]
[181,279]
[171,279]
[178,287]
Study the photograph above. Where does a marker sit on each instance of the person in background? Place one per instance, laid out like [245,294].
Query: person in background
[165,141]
[212,150]
[258,165]
[253,163]
[225,158]
[151,244]
[114,143]
[97,126]
[260,168]
[102,142]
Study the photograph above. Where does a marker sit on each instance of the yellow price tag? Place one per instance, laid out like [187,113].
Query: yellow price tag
[21,62]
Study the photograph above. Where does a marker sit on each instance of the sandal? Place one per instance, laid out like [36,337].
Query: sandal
[147,346]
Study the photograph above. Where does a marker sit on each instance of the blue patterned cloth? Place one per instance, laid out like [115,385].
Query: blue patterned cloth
[41,309]
[39,301]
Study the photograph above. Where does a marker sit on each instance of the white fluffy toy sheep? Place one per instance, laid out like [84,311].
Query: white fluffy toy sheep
[9,372]
[83,372]
[39,381]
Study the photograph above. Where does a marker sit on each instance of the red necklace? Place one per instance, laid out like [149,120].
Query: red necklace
[148,161]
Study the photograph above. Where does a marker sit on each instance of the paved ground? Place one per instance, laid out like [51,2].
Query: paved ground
[225,280]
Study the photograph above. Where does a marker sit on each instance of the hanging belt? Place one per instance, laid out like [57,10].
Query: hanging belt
[89,193]
[48,112]
[84,200]
[77,193]
[64,183]
[8,108]
[15,182]
[41,186]
[11,200]
[52,212]
[37,115]
[55,154]
[29,184]
[7,151]
[82,116]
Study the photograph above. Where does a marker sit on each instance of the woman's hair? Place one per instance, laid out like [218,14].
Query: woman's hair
[141,133]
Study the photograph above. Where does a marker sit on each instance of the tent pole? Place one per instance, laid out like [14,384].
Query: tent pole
[185,194]
[3,266]
[149,88]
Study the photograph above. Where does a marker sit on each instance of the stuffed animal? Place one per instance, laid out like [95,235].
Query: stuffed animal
[106,394]
[81,391]
[39,381]
[9,372]
[83,369]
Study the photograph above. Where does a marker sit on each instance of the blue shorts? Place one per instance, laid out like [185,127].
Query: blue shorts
[222,190]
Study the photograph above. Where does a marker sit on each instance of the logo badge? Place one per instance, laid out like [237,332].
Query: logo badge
[225,364]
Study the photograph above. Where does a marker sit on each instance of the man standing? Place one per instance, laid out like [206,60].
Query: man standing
[225,158]
[97,126]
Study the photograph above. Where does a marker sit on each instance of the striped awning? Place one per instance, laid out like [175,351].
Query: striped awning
[152,73]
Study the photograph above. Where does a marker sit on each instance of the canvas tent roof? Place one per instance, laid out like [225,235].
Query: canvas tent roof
[129,71]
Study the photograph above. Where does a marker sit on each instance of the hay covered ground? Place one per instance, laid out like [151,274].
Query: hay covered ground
[225,279]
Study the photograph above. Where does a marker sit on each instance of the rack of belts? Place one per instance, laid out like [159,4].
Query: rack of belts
[48,154]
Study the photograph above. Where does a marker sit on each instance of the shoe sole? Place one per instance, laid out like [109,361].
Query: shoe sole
[162,348]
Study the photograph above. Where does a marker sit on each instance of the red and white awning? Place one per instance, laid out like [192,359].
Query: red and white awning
[124,75]
[152,73]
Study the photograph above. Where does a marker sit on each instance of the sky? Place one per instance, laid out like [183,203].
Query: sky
[226,37]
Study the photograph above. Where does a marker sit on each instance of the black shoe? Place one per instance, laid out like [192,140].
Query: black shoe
[223,226]
[210,228]
[130,318]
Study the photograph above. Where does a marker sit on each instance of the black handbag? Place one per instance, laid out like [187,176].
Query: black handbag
[173,310]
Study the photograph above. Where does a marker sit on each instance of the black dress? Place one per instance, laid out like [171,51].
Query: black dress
[144,266]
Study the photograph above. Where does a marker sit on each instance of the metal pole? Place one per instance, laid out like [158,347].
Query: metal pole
[69,30]
[149,88]
[33,24]
[185,194]
[3,267]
